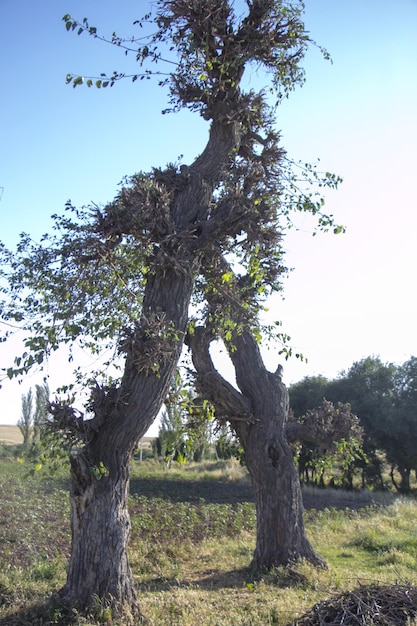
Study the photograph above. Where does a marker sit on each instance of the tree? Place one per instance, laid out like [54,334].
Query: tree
[226,444]
[368,386]
[331,442]
[258,412]
[146,250]
[32,421]
[25,422]
[41,413]
[308,394]
[398,433]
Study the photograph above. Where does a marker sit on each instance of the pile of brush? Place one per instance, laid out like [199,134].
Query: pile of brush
[379,605]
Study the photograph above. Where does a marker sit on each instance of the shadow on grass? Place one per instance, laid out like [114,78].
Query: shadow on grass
[212,491]
[221,492]
[177,490]
[40,614]
[211,579]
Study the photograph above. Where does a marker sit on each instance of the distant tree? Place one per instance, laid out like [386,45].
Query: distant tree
[399,426]
[25,422]
[334,446]
[368,386]
[226,444]
[124,275]
[184,433]
[171,442]
[41,413]
[308,394]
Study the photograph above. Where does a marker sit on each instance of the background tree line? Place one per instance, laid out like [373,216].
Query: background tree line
[384,397]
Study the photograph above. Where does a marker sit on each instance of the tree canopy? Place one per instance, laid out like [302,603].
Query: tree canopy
[63,289]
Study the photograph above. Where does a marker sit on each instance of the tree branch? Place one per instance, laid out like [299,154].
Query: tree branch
[228,402]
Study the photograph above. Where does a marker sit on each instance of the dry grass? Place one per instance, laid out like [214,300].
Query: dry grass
[10,435]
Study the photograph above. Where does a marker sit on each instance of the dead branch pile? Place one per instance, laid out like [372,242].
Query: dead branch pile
[379,605]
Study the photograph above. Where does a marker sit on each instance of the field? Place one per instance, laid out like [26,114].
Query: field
[191,544]
[10,435]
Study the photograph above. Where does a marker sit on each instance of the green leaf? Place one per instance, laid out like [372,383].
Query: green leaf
[227,277]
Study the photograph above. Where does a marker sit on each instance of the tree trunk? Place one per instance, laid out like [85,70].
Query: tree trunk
[280,532]
[99,565]
[258,414]
[405,479]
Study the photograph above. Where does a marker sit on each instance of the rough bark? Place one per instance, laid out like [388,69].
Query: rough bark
[258,413]
[100,528]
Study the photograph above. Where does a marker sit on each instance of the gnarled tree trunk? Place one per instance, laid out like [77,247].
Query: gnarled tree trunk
[258,413]
[100,525]
[280,533]
[100,471]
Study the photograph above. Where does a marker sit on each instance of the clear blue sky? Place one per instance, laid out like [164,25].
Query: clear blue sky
[349,296]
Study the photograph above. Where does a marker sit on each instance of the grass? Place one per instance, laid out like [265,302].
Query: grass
[191,543]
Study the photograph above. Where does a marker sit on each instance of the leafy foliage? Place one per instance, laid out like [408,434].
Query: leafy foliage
[213,45]
[384,399]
